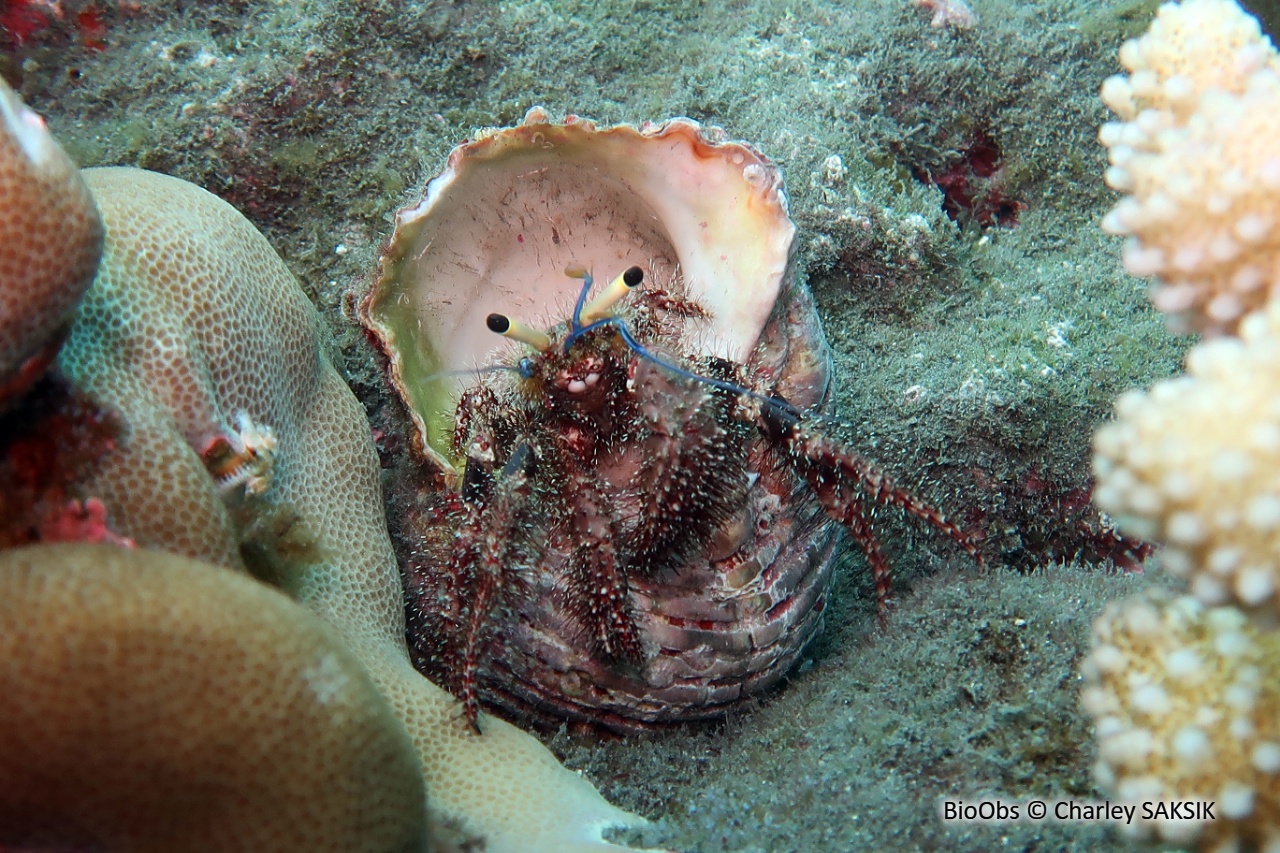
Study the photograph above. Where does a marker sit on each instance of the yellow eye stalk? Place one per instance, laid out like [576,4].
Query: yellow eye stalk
[597,309]
[602,305]
[517,331]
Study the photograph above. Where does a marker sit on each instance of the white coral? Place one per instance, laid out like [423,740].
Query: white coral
[1198,152]
[1195,463]
[1184,698]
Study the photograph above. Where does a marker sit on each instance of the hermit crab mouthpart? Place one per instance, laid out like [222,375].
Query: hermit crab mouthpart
[516,206]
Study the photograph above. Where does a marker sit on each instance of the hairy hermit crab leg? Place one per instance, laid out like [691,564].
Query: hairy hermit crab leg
[844,481]
[484,556]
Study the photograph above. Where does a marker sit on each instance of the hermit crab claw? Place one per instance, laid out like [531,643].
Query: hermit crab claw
[637,534]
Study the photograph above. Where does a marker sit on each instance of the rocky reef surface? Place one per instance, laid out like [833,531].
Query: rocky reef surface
[947,187]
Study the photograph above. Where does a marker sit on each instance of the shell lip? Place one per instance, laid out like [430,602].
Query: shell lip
[381,337]
[756,181]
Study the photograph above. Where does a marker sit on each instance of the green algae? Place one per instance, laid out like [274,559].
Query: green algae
[968,693]
[1114,23]
[972,362]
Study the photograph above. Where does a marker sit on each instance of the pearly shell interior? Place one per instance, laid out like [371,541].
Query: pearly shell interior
[515,207]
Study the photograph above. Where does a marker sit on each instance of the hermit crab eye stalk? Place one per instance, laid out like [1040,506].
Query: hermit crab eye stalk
[602,305]
[575,324]
[597,314]
[600,311]
[517,331]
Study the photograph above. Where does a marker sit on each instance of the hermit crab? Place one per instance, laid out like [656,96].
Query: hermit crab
[626,515]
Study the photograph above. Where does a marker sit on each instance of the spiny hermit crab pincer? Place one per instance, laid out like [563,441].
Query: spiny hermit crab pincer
[626,521]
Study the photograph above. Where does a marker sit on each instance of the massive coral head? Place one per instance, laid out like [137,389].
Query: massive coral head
[50,240]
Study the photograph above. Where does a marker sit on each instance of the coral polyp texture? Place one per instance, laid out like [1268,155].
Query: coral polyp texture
[1184,691]
[1194,463]
[202,342]
[152,702]
[636,535]
[1184,698]
[50,237]
[1197,149]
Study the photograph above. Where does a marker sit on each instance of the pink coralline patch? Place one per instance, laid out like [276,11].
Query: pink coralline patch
[91,22]
[55,23]
[81,521]
[975,186]
[949,13]
[23,20]
[47,444]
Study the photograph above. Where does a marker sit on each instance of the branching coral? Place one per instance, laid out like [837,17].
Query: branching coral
[1192,463]
[1184,698]
[1196,151]
[1195,463]
[193,320]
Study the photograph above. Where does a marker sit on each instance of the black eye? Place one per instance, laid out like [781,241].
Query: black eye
[527,367]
